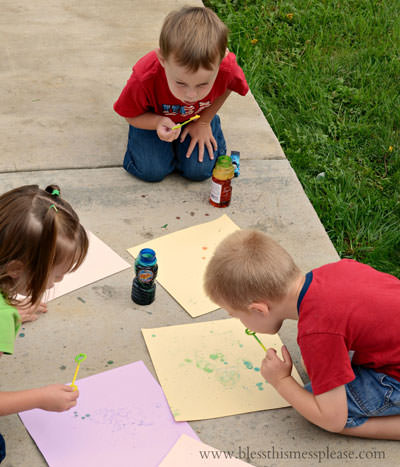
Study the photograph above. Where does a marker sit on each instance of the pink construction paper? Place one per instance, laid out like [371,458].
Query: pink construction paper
[101,261]
[122,419]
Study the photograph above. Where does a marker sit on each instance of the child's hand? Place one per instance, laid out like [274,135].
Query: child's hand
[273,369]
[202,135]
[165,131]
[57,397]
[32,312]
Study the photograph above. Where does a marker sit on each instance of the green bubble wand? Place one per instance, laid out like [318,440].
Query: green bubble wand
[79,358]
[252,333]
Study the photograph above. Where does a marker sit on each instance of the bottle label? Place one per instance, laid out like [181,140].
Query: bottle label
[145,276]
[216,190]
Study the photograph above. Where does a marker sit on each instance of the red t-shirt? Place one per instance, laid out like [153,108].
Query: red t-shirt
[349,306]
[147,90]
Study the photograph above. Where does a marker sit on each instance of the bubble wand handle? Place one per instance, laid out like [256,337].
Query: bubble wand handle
[184,123]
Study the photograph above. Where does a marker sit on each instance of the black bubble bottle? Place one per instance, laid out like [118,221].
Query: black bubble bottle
[143,286]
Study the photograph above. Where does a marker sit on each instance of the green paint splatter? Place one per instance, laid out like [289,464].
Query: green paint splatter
[240,345]
[256,368]
[21,334]
[164,226]
[110,362]
[154,335]
[207,368]
[216,356]
[247,364]
[187,360]
[260,386]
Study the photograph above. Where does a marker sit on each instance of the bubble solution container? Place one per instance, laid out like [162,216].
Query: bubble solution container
[143,286]
[221,189]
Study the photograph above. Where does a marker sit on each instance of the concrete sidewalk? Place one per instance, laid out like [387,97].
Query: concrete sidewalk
[62,66]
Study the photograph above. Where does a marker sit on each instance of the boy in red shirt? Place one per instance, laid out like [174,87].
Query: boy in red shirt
[192,73]
[341,307]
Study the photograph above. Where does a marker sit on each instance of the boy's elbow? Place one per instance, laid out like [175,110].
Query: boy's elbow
[334,426]
[333,409]
[335,422]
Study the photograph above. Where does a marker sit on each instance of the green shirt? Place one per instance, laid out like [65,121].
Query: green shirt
[10,322]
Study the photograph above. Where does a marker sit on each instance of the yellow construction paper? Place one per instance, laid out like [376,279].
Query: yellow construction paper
[212,369]
[191,452]
[182,259]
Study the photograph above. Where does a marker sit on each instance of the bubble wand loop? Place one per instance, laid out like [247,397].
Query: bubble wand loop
[195,117]
[252,333]
[79,358]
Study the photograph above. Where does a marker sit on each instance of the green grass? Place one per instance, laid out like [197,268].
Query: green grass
[326,74]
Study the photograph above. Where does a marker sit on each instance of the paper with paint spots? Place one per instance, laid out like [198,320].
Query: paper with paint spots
[212,369]
[100,262]
[186,453]
[182,260]
[122,419]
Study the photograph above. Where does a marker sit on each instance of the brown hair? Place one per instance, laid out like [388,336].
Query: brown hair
[39,230]
[195,36]
[248,266]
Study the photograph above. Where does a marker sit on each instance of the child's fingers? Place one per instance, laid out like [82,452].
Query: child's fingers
[286,355]
[74,396]
[210,150]
[214,143]
[42,308]
[68,388]
[184,134]
[190,149]
[271,354]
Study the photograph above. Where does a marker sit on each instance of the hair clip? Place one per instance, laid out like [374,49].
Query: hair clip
[55,192]
[54,207]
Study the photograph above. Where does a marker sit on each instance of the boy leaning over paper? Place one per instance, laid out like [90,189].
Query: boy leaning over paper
[340,307]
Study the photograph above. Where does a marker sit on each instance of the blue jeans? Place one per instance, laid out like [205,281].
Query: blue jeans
[150,159]
[370,394]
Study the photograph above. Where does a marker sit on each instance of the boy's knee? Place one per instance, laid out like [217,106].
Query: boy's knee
[151,174]
[198,173]
[152,178]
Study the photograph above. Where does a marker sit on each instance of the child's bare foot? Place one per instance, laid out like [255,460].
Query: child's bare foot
[31,312]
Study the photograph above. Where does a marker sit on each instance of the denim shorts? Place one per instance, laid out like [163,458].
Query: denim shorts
[370,394]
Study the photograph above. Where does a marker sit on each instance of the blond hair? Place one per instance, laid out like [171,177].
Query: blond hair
[248,266]
[195,36]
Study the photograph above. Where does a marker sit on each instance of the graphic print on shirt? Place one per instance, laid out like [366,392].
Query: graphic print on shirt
[186,110]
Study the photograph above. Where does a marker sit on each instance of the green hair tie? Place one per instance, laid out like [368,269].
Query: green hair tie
[55,192]
[54,207]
